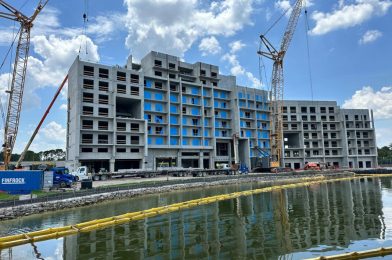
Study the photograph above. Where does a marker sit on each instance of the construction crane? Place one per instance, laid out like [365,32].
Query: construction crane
[16,88]
[277,86]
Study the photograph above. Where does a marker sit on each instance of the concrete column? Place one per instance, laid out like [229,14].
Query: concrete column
[201,165]
[111,162]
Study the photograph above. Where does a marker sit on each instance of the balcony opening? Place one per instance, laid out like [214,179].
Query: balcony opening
[121,89]
[88,71]
[157,63]
[103,125]
[103,99]
[172,66]
[103,139]
[87,138]
[88,110]
[135,78]
[88,97]
[102,150]
[134,127]
[87,124]
[128,108]
[135,139]
[121,76]
[87,150]
[88,83]
[103,86]
[135,91]
[104,73]
[121,139]
[121,126]
[103,111]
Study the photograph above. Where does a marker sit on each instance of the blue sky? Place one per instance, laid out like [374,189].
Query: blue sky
[349,43]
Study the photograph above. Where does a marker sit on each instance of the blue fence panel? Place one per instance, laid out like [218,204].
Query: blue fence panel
[158,96]
[158,107]
[248,133]
[185,141]
[159,141]
[216,132]
[149,140]
[196,142]
[206,132]
[173,120]
[223,114]
[195,90]
[205,122]
[173,98]
[195,111]
[184,100]
[174,130]
[147,106]
[206,142]
[184,131]
[184,120]
[147,94]
[173,108]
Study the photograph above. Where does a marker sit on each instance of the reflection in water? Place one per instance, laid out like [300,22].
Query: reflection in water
[263,226]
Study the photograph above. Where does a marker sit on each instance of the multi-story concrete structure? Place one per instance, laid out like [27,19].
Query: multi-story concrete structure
[162,112]
[166,112]
[319,131]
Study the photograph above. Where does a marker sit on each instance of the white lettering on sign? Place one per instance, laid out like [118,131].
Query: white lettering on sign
[12,180]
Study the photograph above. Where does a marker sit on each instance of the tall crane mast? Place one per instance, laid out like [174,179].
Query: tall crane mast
[277,86]
[16,88]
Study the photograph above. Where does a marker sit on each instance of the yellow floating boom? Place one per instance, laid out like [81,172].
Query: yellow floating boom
[57,232]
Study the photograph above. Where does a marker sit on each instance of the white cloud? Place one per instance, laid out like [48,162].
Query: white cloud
[370,36]
[172,26]
[51,136]
[63,107]
[379,101]
[285,6]
[209,45]
[383,136]
[349,15]
[236,68]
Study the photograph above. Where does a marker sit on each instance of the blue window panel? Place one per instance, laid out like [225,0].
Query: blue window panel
[248,133]
[206,132]
[173,120]
[205,102]
[184,100]
[223,95]
[257,97]
[242,104]
[265,135]
[159,141]
[205,122]
[196,142]
[148,83]
[206,142]
[147,106]
[242,114]
[259,134]
[223,105]
[251,153]
[145,116]
[184,131]
[267,144]
[149,140]
[173,108]
[223,114]
[173,141]
[158,107]
[248,96]
[147,94]
[205,92]
[195,111]
[249,104]
[216,123]
[184,141]
[259,144]
[184,120]
[264,116]
[174,130]
[216,93]
[216,103]
[216,132]
[196,101]
[158,96]
[173,98]
[239,95]
[195,91]
[242,123]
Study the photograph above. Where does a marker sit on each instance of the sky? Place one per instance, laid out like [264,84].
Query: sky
[341,50]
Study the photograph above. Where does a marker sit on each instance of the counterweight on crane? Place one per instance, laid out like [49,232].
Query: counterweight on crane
[277,86]
[15,91]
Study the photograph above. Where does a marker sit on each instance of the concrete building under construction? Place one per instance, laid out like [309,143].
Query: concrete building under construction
[166,112]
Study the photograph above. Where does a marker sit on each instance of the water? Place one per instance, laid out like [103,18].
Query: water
[298,223]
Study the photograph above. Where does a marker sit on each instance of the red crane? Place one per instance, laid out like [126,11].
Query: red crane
[277,86]
[18,75]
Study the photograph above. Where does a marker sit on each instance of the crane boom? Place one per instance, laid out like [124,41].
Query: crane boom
[277,87]
[18,75]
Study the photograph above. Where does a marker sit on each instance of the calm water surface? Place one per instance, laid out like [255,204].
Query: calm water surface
[298,223]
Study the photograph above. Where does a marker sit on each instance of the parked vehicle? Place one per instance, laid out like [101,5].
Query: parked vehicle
[312,166]
[62,178]
[82,173]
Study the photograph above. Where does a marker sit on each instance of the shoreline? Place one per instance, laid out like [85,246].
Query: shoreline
[14,212]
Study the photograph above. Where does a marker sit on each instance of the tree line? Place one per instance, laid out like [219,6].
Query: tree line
[385,155]
[49,155]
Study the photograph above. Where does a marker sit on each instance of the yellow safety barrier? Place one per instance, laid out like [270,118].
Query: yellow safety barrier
[54,233]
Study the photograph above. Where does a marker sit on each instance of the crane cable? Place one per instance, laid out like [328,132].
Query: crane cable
[308,51]
[85,20]
[277,20]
